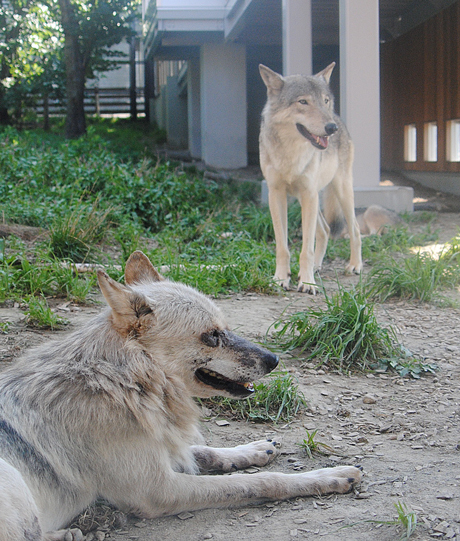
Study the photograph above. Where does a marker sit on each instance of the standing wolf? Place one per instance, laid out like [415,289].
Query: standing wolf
[305,148]
[108,412]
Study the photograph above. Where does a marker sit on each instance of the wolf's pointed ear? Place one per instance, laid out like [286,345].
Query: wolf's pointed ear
[326,72]
[139,269]
[127,306]
[273,81]
[116,295]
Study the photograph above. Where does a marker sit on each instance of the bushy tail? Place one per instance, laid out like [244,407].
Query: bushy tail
[332,212]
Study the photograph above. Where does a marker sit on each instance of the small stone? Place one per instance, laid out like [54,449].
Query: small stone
[99,536]
[445,497]
[293,533]
[208,536]
[369,399]
[442,527]
[222,423]
[184,516]
[363,496]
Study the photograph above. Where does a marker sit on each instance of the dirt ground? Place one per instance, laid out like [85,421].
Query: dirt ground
[403,432]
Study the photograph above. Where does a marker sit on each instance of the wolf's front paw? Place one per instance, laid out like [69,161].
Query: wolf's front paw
[340,479]
[283,282]
[354,268]
[73,534]
[256,453]
[309,288]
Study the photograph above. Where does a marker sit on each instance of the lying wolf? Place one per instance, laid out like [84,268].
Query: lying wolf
[108,412]
[305,148]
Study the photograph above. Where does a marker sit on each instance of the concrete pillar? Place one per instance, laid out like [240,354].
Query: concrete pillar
[176,114]
[194,107]
[297,37]
[360,85]
[223,105]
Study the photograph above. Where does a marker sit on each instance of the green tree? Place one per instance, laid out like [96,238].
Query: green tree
[30,49]
[44,44]
[91,28]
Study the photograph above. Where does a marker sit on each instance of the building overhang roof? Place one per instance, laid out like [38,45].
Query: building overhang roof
[176,24]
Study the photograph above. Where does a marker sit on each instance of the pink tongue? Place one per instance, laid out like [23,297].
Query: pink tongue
[323,141]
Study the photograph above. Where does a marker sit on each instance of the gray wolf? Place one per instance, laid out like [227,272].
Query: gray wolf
[108,412]
[306,148]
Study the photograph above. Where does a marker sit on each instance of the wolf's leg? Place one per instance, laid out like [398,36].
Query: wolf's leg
[277,201]
[257,453]
[18,512]
[343,189]
[309,201]
[179,492]
[322,237]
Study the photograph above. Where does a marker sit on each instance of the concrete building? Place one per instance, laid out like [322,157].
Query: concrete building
[211,102]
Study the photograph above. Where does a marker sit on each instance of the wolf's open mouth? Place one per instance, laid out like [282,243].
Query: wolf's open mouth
[317,141]
[221,383]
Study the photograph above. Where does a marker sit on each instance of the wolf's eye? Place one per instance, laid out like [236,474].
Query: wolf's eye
[326,100]
[211,338]
[303,102]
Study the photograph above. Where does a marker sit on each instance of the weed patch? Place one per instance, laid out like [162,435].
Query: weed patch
[417,277]
[346,337]
[40,315]
[311,446]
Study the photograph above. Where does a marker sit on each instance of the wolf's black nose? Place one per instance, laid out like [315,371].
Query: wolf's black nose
[271,361]
[331,127]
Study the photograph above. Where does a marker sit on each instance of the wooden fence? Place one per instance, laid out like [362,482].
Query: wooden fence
[99,101]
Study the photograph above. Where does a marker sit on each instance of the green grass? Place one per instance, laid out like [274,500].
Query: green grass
[39,314]
[276,399]
[103,196]
[311,446]
[418,276]
[73,235]
[406,521]
[345,336]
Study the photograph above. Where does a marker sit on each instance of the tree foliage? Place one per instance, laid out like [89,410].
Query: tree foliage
[47,45]
[30,54]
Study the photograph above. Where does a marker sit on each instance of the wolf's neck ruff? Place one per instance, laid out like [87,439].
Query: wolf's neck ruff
[317,141]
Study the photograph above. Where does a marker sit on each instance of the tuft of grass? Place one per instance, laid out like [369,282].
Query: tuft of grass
[277,399]
[73,235]
[346,336]
[312,446]
[417,277]
[39,314]
[406,520]
[4,327]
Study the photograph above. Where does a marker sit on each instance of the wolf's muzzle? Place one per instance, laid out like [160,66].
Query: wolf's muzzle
[271,361]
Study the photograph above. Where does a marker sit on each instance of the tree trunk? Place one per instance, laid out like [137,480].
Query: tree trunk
[75,125]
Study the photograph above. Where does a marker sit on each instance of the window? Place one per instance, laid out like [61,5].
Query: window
[410,143]
[430,142]
[453,141]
